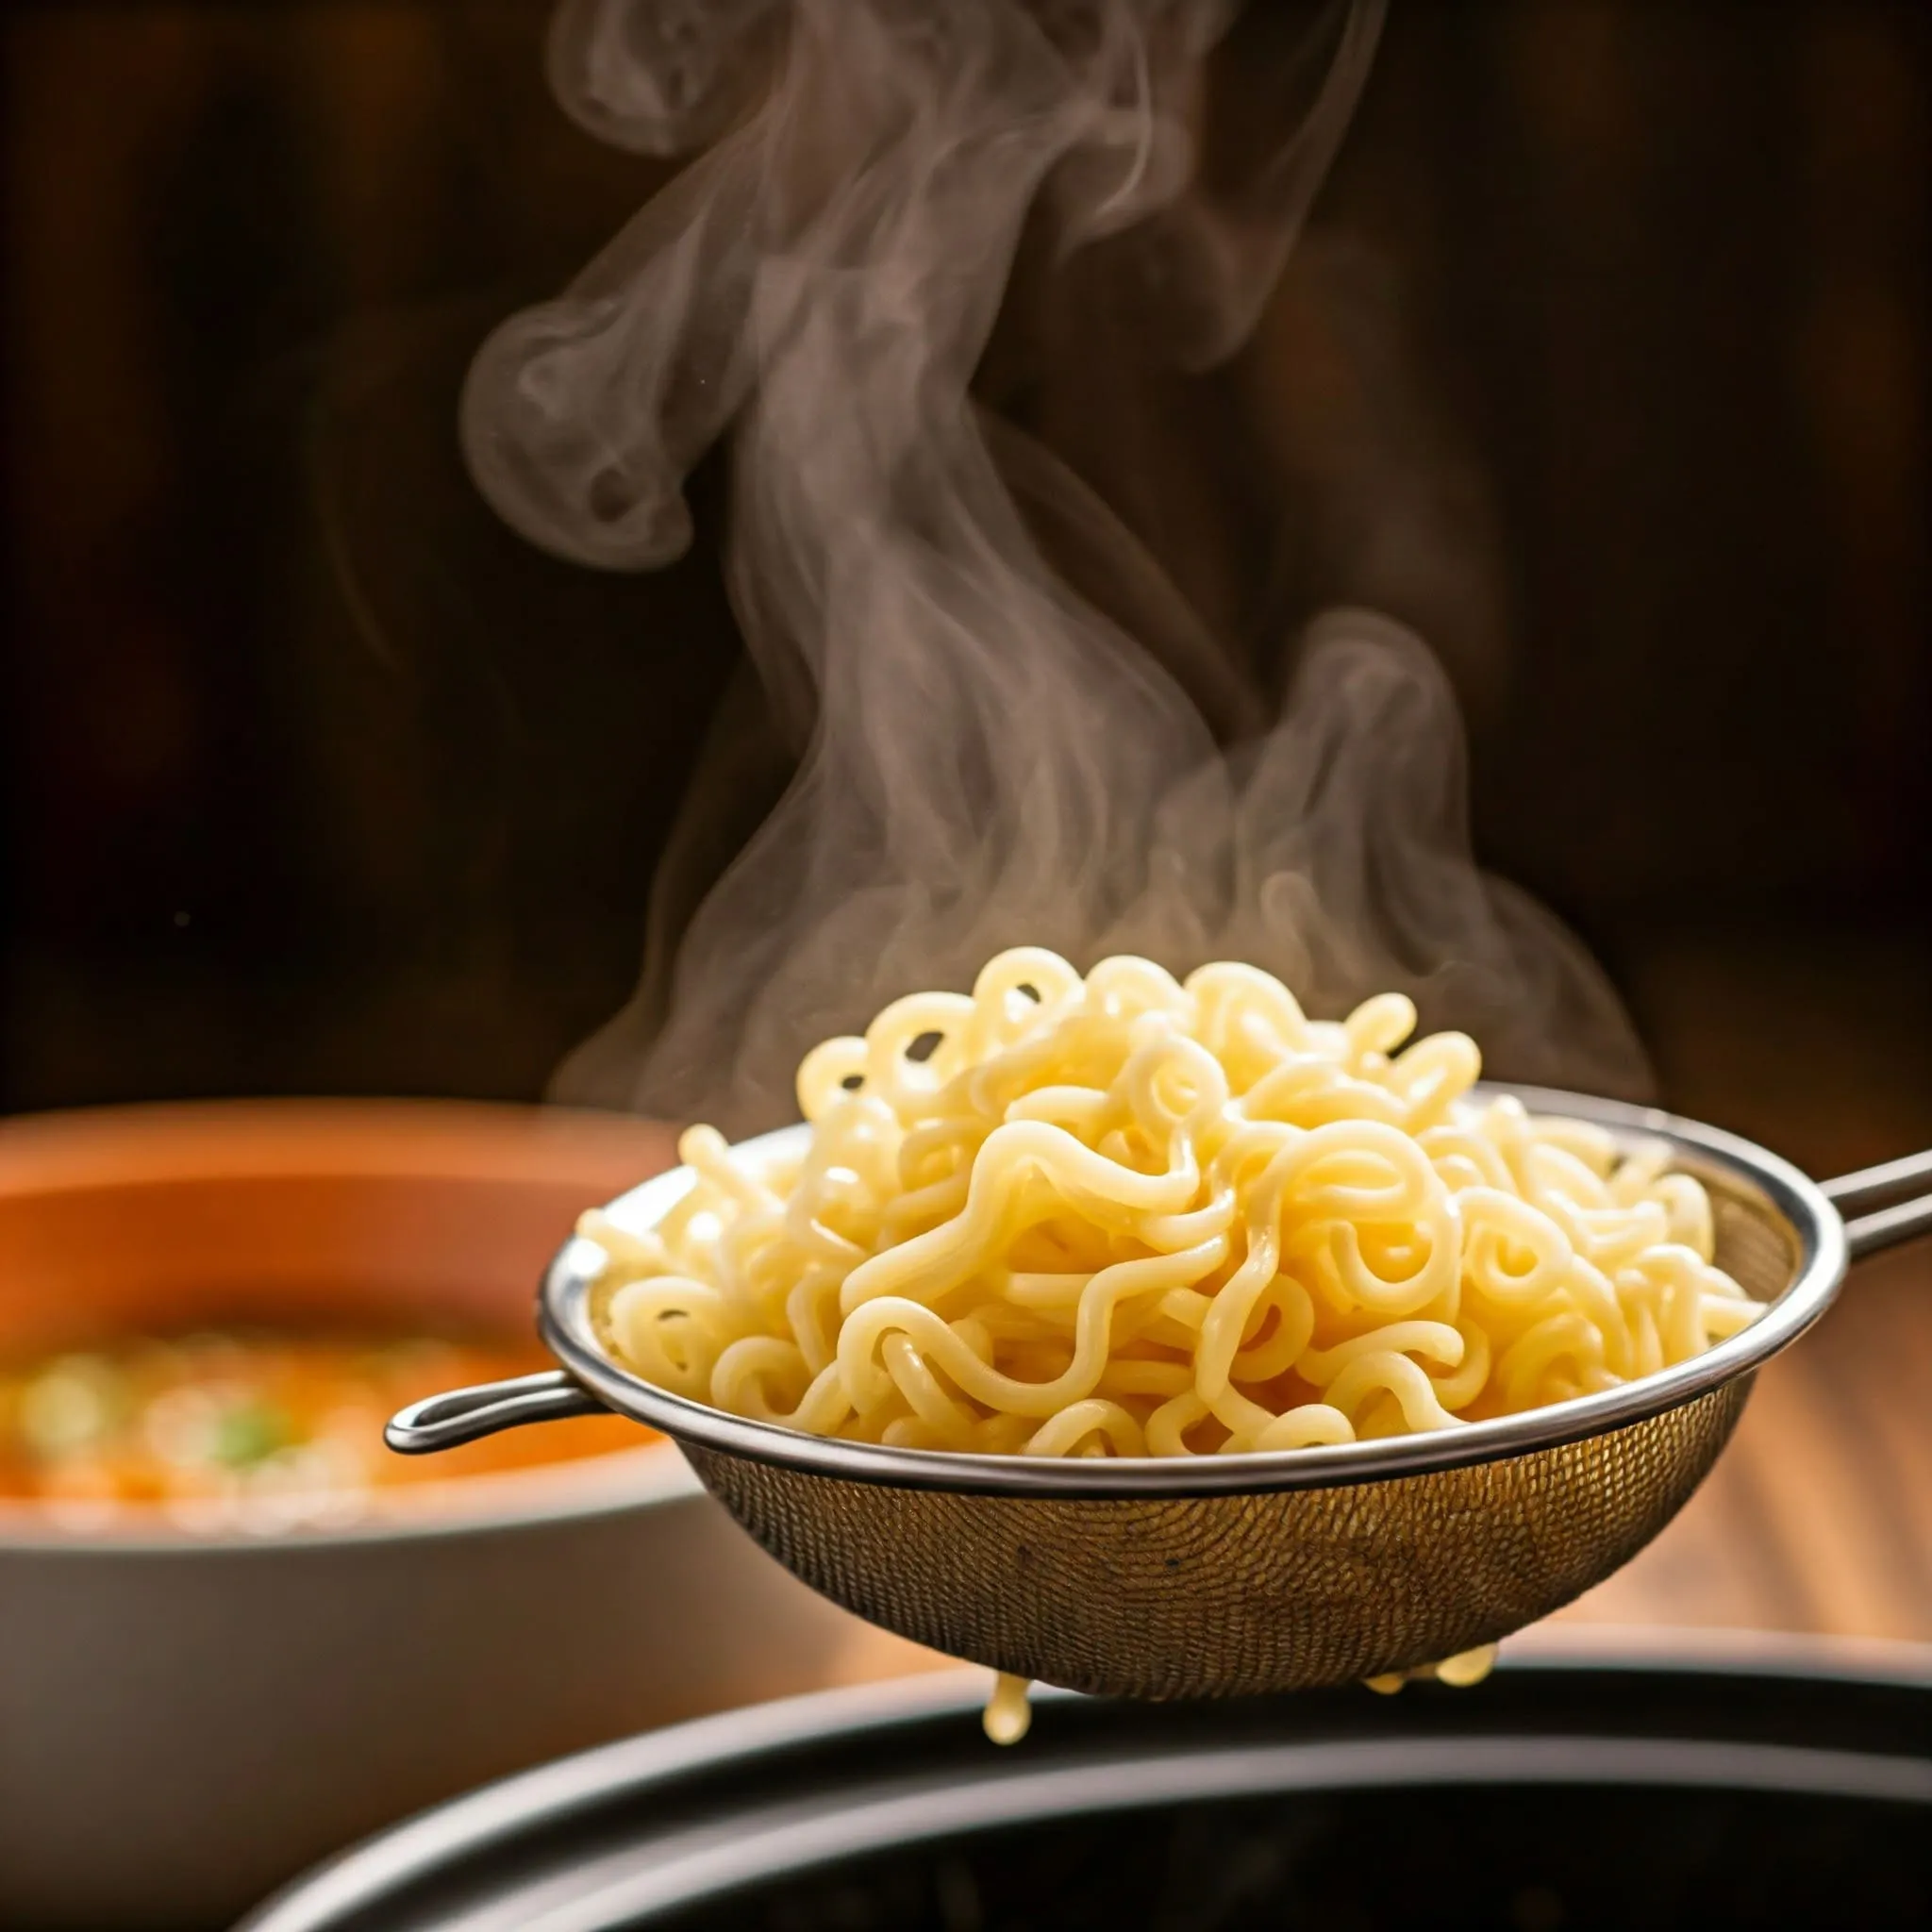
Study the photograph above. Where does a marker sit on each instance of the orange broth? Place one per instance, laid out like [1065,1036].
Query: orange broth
[259,1429]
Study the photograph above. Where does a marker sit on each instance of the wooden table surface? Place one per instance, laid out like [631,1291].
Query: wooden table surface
[1818,1518]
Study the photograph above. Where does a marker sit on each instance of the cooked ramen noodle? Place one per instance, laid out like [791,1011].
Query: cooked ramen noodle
[1008,1715]
[1471,1667]
[1009,1712]
[1123,1215]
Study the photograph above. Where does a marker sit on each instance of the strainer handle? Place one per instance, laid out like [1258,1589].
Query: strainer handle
[1886,1227]
[463,1415]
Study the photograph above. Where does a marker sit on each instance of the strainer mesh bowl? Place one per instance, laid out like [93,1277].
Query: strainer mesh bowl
[1218,1575]
[1223,1595]
[1327,1567]
[1230,1595]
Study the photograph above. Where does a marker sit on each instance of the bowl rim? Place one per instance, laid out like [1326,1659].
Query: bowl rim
[565,1323]
[498,1502]
[328,1138]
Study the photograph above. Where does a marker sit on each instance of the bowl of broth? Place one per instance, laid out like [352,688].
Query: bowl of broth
[261,1430]
[234,1631]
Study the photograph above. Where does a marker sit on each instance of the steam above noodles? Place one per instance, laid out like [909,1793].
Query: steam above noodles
[981,712]
[1124,1215]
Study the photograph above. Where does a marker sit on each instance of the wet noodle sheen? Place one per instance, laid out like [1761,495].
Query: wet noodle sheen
[1129,1216]
[1008,1715]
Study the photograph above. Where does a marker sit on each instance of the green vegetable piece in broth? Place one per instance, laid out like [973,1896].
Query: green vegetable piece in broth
[250,1433]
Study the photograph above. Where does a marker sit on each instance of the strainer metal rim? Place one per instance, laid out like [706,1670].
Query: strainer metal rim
[564,1319]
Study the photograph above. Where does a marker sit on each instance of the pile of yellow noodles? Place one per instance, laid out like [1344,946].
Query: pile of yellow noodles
[1129,1216]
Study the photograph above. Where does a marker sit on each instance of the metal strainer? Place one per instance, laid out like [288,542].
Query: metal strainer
[1223,1575]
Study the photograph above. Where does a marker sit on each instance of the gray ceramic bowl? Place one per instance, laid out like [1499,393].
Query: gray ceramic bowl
[186,1721]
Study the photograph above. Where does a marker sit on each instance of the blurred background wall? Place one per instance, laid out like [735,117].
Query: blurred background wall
[1605,364]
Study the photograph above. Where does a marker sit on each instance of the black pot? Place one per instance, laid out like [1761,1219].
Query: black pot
[1790,1791]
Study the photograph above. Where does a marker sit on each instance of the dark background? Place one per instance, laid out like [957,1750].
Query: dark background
[317,780]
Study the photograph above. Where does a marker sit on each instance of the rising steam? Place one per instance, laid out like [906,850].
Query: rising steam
[982,757]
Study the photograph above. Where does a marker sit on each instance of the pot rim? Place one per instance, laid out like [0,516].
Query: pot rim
[533,1803]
